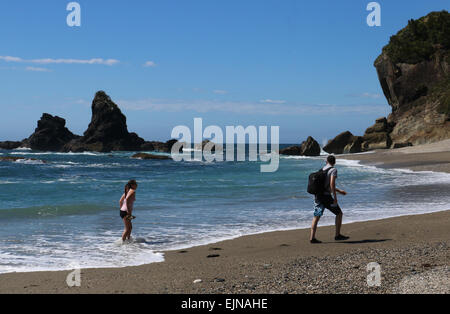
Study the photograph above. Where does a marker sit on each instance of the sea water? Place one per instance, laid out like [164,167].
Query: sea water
[65,212]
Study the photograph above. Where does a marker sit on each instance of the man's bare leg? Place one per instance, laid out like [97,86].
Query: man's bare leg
[315,221]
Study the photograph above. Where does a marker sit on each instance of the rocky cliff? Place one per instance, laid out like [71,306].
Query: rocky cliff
[414,74]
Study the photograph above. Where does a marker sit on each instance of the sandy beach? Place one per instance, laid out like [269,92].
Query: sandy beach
[413,252]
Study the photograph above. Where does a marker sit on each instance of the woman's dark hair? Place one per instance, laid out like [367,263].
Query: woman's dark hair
[331,160]
[129,185]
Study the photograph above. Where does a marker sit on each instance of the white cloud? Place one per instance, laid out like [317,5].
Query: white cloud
[108,62]
[366,95]
[36,69]
[220,92]
[271,101]
[203,106]
[10,59]
[150,64]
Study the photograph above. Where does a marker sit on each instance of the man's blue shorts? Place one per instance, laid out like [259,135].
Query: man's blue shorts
[325,201]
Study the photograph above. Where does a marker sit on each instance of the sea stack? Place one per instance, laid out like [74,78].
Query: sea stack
[310,147]
[51,134]
[107,131]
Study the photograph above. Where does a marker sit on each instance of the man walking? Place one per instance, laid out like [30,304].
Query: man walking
[328,200]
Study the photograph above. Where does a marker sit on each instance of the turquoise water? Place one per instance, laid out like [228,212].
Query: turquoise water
[65,212]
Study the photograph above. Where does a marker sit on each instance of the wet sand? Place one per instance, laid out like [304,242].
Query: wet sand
[413,252]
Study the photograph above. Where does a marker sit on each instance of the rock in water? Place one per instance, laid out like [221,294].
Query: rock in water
[291,151]
[159,146]
[414,74]
[344,143]
[10,145]
[150,156]
[107,131]
[310,147]
[51,134]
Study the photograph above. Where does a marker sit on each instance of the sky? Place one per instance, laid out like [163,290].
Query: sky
[305,66]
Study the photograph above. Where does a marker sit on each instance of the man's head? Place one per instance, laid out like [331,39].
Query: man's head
[331,160]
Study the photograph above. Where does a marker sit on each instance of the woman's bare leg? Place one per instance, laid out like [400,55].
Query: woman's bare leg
[125,231]
[130,228]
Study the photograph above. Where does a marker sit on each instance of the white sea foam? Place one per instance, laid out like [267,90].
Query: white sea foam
[89,252]
[30,152]
[414,177]
[30,162]
[7,182]
[299,157]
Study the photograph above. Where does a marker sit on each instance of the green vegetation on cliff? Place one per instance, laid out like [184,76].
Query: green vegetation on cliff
[420,39]
[441,92]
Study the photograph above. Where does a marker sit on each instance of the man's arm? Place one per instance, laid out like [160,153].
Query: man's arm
[334,189]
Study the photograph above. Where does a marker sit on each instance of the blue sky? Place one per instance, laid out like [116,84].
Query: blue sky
[306,66]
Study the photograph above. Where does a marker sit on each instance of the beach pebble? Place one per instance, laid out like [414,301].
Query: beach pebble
[197,281]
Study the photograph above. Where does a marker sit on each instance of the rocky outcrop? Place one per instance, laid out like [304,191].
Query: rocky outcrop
[51,134]
[354,146]
[310,147]
[10,145]
[291,151]
[414,74]
[146,156]
[377,136]
[401,145]
[344,143]
[107,131]
[162,147]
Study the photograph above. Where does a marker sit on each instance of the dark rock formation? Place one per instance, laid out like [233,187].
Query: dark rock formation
[10,145]
[310,147]
[355,145]
[414,74]
[291,151]
[401,145]
[150,156]
[344,143]
[377,136]
[159,146]
[51,134]
[107,131]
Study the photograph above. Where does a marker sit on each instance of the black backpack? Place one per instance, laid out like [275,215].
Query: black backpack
[316,181]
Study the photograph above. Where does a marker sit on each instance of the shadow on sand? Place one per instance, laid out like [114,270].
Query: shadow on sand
[364,241]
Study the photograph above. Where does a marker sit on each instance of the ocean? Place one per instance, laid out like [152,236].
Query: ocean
[64,213]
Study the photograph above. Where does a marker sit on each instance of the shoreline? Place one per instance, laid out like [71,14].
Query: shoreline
[273,262]
[259,250]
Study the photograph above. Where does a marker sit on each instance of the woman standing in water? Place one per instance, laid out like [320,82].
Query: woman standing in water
[126,208]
